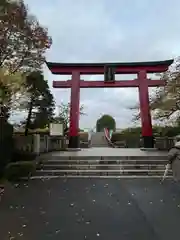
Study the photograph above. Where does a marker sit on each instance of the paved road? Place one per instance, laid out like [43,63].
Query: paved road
[91,209]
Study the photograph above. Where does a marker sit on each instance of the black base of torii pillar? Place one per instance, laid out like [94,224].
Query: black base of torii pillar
[74,143]
[148,142]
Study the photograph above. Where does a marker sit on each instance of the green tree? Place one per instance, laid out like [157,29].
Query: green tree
[39,102]
[64,114]
[11,87]
[45,111]
[106,121]
[23,43]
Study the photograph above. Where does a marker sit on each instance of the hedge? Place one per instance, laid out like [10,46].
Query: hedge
[20,155]
[167,131]
[16,171]
[132,140]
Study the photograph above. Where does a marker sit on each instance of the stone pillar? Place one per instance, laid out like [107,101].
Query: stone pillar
[36,144]
[47,143]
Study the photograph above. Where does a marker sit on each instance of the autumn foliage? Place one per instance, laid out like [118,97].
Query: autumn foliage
[23,41]
[165,102]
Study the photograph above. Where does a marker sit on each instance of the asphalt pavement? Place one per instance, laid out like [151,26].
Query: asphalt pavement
[108,209]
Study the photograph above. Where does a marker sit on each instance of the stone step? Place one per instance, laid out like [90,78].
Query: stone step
[104,166]
[48,177]
[105,162]
[98,145]
[97,172]
[105,158]
[98,140]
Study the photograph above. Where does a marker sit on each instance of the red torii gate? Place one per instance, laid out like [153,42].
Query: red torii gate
[110,69]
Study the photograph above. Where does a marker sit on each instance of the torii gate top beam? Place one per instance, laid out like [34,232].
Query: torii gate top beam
[98,68]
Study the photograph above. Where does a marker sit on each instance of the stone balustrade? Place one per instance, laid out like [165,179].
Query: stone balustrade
[161,143]
[164,143]
[38,144]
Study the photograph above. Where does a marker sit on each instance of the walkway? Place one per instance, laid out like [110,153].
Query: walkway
[105,151]
[98,140]
[91,209]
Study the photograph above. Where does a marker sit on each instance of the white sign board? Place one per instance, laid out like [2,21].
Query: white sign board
[56,129]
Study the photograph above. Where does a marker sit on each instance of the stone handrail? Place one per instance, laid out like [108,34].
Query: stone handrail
[108,139]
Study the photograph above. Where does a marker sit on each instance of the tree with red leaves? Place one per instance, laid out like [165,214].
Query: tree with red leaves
[23,41]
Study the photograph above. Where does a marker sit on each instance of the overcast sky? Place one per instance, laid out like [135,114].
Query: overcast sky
[108,30]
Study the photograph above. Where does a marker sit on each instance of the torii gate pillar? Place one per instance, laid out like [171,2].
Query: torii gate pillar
[146,122]
[74,142]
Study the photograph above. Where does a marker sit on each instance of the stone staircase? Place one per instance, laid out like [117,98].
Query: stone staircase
[98,140]
[99,166]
